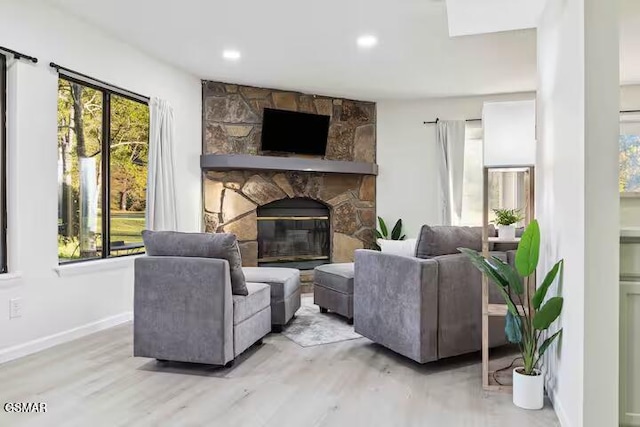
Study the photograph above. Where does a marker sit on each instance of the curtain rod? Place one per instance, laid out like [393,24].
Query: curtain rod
[83,78]
[438,119]
[479,120]
[19,55]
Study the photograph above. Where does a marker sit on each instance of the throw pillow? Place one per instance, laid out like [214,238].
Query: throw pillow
[398,247]
[201,245]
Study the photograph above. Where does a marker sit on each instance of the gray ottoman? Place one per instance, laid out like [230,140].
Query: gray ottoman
[285,291]
[333,289]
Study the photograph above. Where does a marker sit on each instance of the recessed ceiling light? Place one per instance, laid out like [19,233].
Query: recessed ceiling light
[231,55]
[367,41]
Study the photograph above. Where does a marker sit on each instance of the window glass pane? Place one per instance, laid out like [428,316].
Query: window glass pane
[629,152]
[472,183]
[79,171]
[128,171]
[629,163]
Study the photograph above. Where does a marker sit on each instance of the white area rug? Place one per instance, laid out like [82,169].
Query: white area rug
[310,327]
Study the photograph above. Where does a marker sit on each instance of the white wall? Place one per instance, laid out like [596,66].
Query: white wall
[97,294]
[578,204]
[407,185]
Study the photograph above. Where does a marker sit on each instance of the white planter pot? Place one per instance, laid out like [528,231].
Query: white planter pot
[528,390]
[507,232]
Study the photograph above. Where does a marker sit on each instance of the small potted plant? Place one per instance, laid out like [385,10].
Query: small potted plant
[383,232]
[526,327]
[506,220]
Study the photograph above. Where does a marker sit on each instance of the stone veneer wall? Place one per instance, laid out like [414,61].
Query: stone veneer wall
[232,123]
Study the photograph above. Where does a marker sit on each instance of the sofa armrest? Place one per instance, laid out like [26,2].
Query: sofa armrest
[183,309]
[396,302]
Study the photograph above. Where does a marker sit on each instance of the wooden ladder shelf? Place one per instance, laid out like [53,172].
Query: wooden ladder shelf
[492,309]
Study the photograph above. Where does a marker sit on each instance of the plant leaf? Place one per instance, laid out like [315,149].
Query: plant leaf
[402,237]
[513,328]
[383,228]
[501,282]
[541,292]
[548,313]
[510,305]
[515,281]
[528,250]
[397,230]
[481,264]
[545,345]
[379,235]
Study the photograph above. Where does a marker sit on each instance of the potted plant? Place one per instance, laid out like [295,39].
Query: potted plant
[383,232]
[527,327]
[506,220]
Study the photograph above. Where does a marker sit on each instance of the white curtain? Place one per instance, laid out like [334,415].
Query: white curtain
[450,140]
[161,189]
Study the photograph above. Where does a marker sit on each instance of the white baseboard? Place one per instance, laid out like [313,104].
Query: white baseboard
[558,408]
[44,343]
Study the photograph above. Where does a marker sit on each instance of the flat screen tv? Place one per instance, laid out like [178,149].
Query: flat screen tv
[293,132]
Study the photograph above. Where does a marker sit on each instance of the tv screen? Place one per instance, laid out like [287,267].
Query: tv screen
[292,132]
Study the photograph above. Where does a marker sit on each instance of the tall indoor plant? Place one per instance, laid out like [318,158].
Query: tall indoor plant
[525,327]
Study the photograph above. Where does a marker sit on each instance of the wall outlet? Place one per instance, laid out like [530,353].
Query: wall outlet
[15,308]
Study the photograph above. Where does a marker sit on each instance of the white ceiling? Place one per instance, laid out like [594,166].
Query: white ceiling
[311,45]
[467,17]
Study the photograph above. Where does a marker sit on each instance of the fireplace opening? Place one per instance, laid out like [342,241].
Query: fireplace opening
[293,233]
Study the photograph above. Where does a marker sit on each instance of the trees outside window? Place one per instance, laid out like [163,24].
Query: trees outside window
[629,180]
[102,171]
[629,163]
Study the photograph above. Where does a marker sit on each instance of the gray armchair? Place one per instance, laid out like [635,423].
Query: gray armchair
[425,308]
[184,309]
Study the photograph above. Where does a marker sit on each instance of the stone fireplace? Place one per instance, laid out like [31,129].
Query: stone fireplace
[294,233]
[296,218]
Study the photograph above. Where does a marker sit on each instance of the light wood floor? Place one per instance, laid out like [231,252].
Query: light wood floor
[95,381]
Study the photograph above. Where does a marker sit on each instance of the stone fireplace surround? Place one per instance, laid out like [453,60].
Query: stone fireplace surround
[232,120]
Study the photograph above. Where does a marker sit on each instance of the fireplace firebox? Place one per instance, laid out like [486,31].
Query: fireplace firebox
[294,233]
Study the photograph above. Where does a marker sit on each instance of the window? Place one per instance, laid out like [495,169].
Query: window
[506,189]
[3,163]
[103,141]
[629,153]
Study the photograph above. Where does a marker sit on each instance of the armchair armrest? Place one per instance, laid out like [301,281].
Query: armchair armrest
[183,309]
[396,303]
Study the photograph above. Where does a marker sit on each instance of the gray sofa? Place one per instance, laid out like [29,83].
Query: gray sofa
[426,307]
[185,308]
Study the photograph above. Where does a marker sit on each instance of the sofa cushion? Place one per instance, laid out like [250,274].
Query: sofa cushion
[257,299]
[338,277]
[199,245]
[445,240]
[283,281]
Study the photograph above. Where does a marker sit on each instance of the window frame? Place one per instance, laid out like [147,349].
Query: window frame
[105,164]
[3,159]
